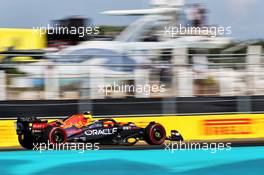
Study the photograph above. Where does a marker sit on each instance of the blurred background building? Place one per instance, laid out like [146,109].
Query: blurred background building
[67,66]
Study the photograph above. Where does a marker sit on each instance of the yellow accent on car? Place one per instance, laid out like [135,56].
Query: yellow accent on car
[131,140]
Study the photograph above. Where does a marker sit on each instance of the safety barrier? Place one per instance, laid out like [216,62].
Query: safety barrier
[202,127]
[133,106]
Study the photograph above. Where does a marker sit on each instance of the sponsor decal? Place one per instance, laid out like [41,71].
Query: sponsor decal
[27,119]
[240,126]
[100,131]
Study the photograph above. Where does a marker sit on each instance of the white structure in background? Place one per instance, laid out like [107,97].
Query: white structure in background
[51,83]
[96,82]
[185,82]
[183,77]
[142,78]
[164,12]
[171,3]
[248,81]
[255,72]
[226,79]
[2,85]
[131,42]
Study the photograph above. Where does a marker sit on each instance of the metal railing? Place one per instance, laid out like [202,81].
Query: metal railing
[55,80]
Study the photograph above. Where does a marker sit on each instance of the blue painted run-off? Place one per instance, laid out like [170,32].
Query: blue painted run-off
[237,161]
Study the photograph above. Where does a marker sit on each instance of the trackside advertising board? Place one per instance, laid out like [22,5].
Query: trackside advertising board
[202,127]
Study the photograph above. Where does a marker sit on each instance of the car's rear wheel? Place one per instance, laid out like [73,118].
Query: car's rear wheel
[155,134]
[26,141]
[57,135]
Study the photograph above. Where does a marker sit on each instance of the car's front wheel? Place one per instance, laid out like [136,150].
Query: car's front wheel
[155,134]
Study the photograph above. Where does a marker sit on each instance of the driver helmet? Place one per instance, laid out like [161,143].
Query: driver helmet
[87,115]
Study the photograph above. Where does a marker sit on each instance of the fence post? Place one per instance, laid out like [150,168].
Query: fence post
[226,82]
[51,84]
[185,83]
[141,79]
[253,61]
[182,82]
[85,103]
[2,85]
[97,84]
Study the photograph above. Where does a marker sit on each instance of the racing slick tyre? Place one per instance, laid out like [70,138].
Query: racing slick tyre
[155,134]
[25,141]
[56,135]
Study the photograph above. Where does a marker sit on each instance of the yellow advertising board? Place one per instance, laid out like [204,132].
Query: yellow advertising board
[21,39]
[203,127]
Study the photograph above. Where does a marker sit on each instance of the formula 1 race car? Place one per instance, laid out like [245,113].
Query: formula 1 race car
[84,128]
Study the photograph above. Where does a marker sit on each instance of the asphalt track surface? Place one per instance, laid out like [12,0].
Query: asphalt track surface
[246,158]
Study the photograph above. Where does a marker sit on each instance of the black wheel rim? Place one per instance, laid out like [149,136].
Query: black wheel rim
[158,134]
[58,137]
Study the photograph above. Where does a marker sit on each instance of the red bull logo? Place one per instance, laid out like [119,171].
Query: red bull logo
[77,120]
